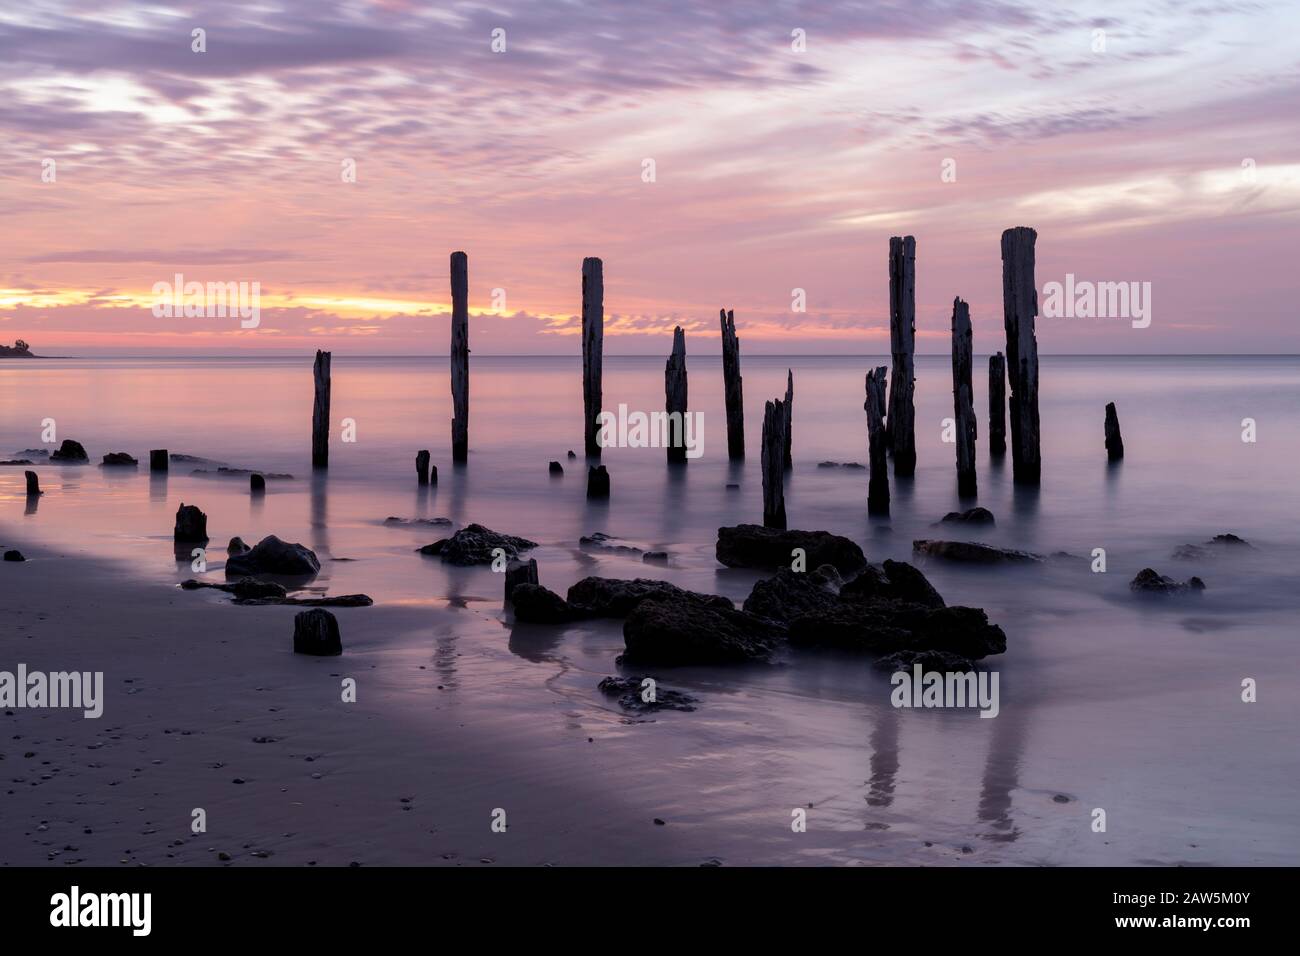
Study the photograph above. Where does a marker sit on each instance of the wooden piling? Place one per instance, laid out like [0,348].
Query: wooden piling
[593,346]
[422,467]
[773,467]
[320,413]
[158,459]
[878,482]
[901,421]
[1114,442]
[731,386]
[788,406]
[459,356]
[997,405]
[1019,307]
[257,484]
[963,398]
[33,484]
[597,481]
[675,398]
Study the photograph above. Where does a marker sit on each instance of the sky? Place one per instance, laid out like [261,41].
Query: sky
[712,154]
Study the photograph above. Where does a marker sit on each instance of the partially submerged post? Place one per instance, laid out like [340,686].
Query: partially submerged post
[675,398]
[593,345]
[422,466]
[997,405]
[731,386]
[963,398]
[320,412]
[773,457]
[158,459]
[33,485]
[787,460]
[1019,307]
[1114,442]
[459,356]
[256,484]
[597,482]
[901,423]
[878,483]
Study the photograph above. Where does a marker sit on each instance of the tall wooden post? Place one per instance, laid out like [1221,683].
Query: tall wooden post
[731,387]
[878,483]
[1114,441]
[675,397]
[459,356]
[1019,307]
[320,412]
[997,405]
[901,423]
[593,346]
[963,398]
[788,407]
[773,466]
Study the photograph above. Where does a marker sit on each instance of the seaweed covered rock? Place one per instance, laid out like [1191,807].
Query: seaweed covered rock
[273,556]
[887,626]
[535,604]
[618,597]
[1149,581]
[788,594]
[635,694]
[973,552]
[893,581]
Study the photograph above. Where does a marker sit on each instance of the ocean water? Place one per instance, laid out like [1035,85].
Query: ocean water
[1107,700]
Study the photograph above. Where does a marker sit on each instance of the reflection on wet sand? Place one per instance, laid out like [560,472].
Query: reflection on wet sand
[1002,775]
[884,759]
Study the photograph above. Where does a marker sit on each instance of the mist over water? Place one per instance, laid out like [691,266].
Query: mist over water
[1108,699]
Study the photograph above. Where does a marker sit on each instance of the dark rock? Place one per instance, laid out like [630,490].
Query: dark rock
[789,594]
[391,520]
[555,468]
[70,451]
[655,557]
[942,661]
[1148,581]
[520,572]
[674,632]
[237,546]
[887,626]
[1190,552]
[841,464]
[572,455]
[972,552]
[597,482]
[475,544]
[896,581]
[250,588]
[13,554]
[616,597]
[191,524]
[599,541]
[120,458]
[754,546]
[980,516]
[535,604]
[273,556]
[629,693]
[1231,540]
[1197,552]
[316,632]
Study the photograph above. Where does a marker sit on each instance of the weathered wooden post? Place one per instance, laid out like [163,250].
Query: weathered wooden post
[675,398]
[963,398]
[1114,441]
[901,422]
[731,387]
[1019,307]
[593,346]
[788,426]
[878,482]
[597,481]
[422,466]
[773,458]
[33,484]
[256,484]
[997,405]
[158,459]
[459,356]
[320,412]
